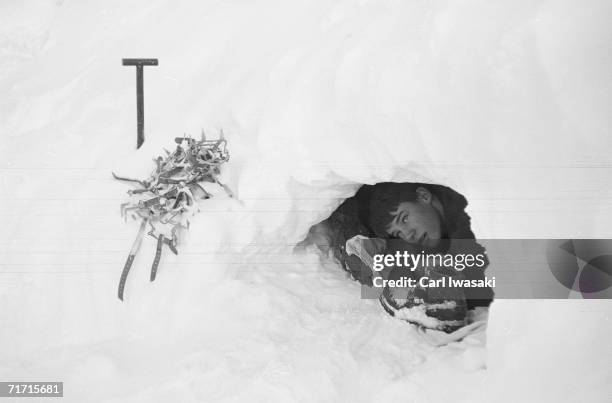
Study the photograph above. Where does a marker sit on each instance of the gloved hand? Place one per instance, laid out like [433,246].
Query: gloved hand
[439,308]
[360,251]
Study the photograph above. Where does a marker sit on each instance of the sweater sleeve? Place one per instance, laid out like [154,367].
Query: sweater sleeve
[458,227]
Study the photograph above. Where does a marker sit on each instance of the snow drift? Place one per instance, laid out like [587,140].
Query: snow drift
[506,102]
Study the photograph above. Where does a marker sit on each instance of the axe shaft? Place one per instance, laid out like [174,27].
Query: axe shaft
[139,63]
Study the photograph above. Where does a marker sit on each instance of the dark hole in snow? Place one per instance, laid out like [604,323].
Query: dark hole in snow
[392,215]
[370,211]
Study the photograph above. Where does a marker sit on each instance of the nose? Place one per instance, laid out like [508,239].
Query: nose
[409,235]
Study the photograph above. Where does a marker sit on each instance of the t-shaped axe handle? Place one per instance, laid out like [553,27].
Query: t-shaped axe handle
[139,63]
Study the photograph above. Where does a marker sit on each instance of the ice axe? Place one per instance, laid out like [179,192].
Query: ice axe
[139,63]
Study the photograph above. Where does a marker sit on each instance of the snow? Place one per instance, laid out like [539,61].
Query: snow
[417,314]
[508,102]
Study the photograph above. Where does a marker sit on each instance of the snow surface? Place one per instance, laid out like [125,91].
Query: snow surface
[508,102]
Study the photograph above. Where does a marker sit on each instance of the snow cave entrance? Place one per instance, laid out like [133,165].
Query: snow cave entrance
[369,210]
[398,217]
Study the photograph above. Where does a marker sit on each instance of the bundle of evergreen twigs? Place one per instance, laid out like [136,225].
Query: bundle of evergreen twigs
[169,197]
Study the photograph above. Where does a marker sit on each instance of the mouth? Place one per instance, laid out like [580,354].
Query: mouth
[423,239]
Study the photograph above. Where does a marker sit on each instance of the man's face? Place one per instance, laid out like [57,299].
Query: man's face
[416,222]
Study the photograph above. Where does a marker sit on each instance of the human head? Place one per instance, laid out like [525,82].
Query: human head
[408,211]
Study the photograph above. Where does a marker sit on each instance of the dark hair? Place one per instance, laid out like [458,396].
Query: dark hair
[384,198]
